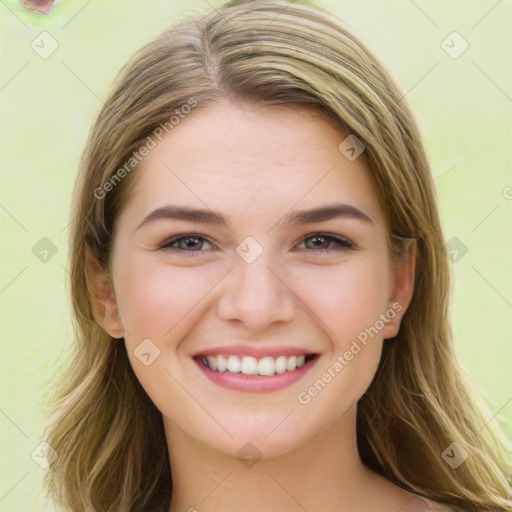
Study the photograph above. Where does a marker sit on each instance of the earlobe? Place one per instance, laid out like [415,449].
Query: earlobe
[103,300]
[401,290]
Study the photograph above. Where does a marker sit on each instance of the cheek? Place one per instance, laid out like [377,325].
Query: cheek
[350,306]
[153,297]
[346,298]
[159,302]
[349,300]
[358,341]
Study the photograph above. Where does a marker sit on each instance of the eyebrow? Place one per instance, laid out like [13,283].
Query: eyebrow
[294,218]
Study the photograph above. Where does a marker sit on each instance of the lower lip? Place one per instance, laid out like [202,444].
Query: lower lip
[256,383]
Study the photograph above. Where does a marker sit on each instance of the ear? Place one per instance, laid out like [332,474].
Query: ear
[400,291]
[103,300]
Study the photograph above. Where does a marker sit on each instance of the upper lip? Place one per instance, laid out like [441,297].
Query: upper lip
[257,352]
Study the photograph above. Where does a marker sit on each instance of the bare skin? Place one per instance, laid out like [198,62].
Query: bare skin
[257,165]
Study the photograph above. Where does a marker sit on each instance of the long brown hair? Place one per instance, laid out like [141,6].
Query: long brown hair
[112,452]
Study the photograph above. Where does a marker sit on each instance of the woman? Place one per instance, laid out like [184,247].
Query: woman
[260,287]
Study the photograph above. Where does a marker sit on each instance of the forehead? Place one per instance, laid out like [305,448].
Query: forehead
[237,157]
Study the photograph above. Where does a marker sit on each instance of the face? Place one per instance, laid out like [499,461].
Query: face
[295,307]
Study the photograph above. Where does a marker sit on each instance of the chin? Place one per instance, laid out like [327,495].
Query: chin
[263,436]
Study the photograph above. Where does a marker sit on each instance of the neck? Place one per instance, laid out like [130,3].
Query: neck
[323,473]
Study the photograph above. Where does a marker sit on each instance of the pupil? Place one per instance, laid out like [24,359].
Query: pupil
[190,242]
[318,240]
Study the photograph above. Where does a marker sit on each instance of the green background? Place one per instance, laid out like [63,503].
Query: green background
[463,106]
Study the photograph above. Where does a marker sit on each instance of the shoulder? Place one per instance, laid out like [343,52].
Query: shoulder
[419,504]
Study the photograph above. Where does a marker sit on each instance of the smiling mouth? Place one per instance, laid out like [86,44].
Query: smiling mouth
[247,365]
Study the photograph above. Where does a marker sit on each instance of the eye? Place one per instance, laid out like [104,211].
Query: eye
[184,243]
[323,243]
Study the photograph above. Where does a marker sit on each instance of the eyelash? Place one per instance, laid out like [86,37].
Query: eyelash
[343,244]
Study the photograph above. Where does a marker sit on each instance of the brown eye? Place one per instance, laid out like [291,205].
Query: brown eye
[184,243]
[324,242]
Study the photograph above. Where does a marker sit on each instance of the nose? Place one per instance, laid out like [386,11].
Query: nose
[255,294]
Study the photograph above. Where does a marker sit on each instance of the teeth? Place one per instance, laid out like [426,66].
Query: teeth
[266,366]
[212,362]
[280,364]
[222,364]
[234,364]
[291,363]
[248,365]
